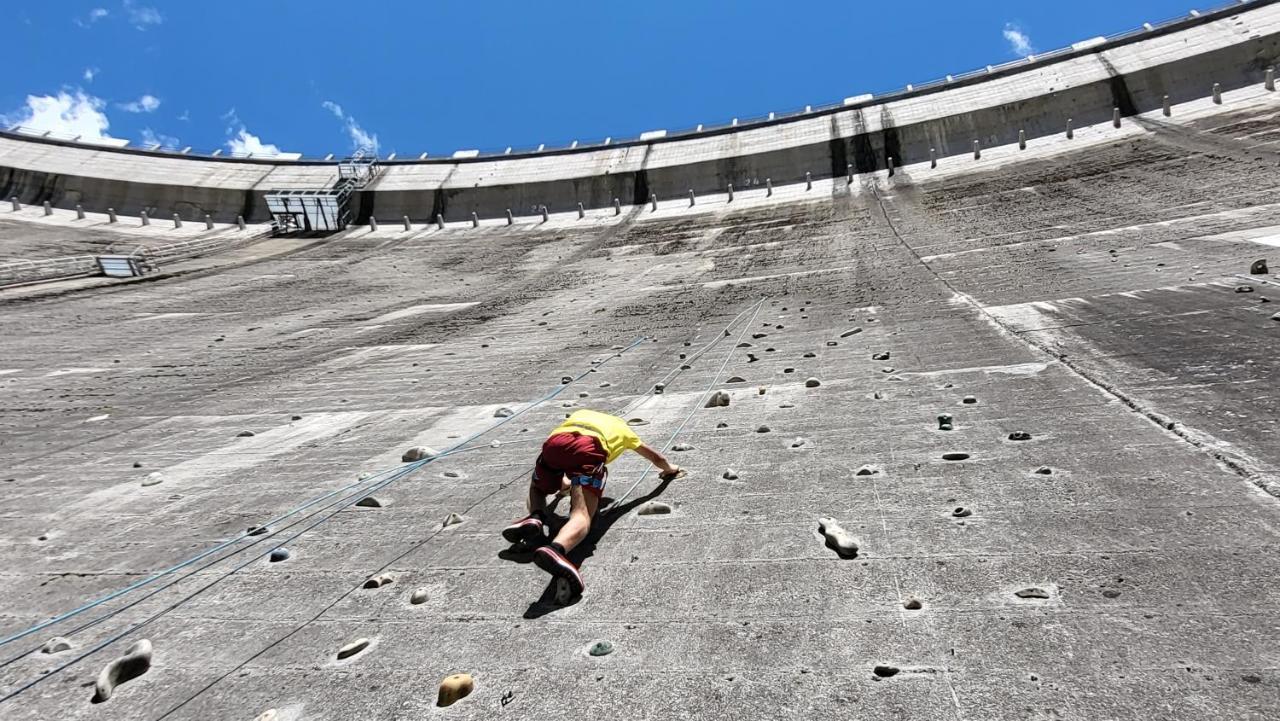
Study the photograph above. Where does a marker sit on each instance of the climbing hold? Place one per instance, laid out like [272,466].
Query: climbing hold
[744,344]
[682,447]
[788,370]
[278,555]
[851,331]
[810,354]
[722,424]
[1244,289]
[654,508]
[867,470]
[839,540]
[832,344]
[353,648]
[268,715]
[737,379]
[454,688]
[812,383]
[1259,267]
[955,456]
[451,474]
[944,421]
[137,464]
[244,434]
[295,418]
[135,662]
[658,388]
[1276,316]
[370,502]
[763,390]
[153,478]
[1019,436]
[503,412]
[256,530]
[380,580]
[785,404]
[880,356]
[961,512]
[887,369]
[970,400]
[565,380]
[800,442]
[878,396]
[601,648]
[885,671]
[758,336]
[637,422]
[1044,471]
[730,474]
[719,399]
[419,453]
[1038,593]
[57,644]
[912,604]
[762,429]
[419,596]
[452,519]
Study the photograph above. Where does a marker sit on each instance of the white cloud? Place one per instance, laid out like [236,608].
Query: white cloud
[151,137]
[94,16]
[246,143]
[72,114]
[1019,42]
[142,16]
[359,138]
[144,104]
[90,74]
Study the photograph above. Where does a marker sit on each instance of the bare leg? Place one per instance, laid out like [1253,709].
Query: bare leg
[582,508]
[537,500]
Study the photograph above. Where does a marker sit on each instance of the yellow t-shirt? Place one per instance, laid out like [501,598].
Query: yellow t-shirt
[613,432]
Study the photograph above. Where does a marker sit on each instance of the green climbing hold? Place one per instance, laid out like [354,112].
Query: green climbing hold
[601,648]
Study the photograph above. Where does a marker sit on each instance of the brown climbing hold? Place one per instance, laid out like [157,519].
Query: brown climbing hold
[654,508]
[418,596]
[452,519]
[800,442]
[839,540]
[455,688]
[719,399]
[969,400]
[867,470]
[1044,471]
[788,370]
[418,453]
[380,580]
[883,671]
[851,331]
[637,422]
[955,456]
[370,502]
[135,662]
[57,644]
[1033,592]
[353,648]
[1019,436]
[810,354]
[1259,267]
[763,390]
[878,396]
[745,345]
[912,604]
[730,474]
[812,383]
[758,336]
[244,434]
[961,512]
[763,429]
[737,379]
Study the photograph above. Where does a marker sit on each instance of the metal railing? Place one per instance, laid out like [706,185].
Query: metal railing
[740,122]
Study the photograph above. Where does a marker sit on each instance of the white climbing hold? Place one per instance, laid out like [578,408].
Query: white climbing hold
[812,383]
[786,404]
[380,580]
[881,356]
[763,429]
[419,453]
[839,540]
[736,379]
[419,596]
[503,412]
[57,644]
[681,447]
[719,399]
[353,648]
[452,519]
[800,442]
[730,474]
[245,434]
[153,478]
[867,470]
[654,508]
[370,502]
[135,662]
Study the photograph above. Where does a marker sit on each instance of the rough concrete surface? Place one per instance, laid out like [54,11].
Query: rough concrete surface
[1119,562]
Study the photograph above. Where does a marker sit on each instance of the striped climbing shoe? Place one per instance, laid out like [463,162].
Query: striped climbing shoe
[527,530]
[550,559]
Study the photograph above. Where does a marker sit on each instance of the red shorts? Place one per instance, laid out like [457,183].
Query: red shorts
[575,455]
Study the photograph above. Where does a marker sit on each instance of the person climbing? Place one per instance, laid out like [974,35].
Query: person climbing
[575,460]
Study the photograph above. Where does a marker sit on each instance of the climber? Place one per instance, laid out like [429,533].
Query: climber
[574,459]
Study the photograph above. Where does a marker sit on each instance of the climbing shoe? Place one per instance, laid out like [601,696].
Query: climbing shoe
[552,560]
[528,530]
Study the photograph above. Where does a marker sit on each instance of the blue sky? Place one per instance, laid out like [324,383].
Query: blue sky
[419,76]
